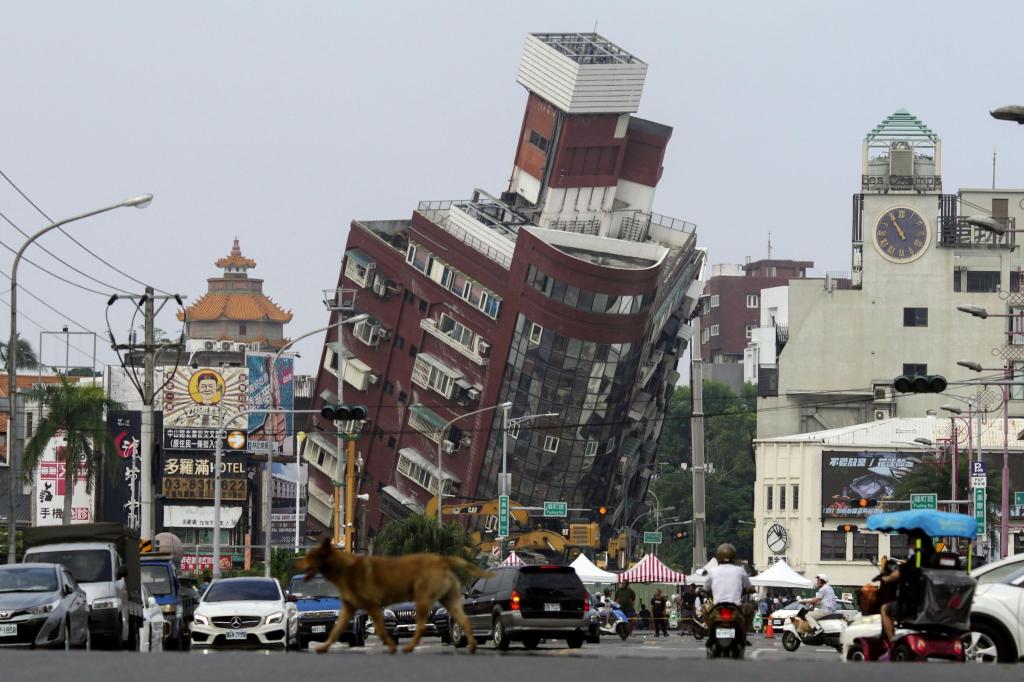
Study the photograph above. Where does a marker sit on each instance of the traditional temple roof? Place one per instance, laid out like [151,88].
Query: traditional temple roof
[241,306]
[235,258]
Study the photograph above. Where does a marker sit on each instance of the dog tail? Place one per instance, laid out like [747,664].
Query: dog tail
[467,567]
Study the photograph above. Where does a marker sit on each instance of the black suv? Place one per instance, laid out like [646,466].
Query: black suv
[526,604]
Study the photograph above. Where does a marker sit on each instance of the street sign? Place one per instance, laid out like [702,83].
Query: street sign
[556,509]
[652,537]
[979,481]
[979,509]
[502,516]
[924,501]
[1018,499]
[978,469]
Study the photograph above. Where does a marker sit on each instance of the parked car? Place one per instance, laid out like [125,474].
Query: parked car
[176,602]
[154,625]
[245,612]
[318,604]
[42,605]
[844,607]
[400,621]
[527,604]
[997,613]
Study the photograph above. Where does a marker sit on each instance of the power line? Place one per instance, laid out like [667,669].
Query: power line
[52,274]
[62,314]
[42,328]
[68,235]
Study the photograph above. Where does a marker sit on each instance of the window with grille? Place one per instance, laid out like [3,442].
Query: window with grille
[899,548]
[768,492]
[591,449]
[456,331]
[538,141]
[714,300]
[795,502]
[551,444]
[865,547]
[782,498]
[714,330]
[427,375]
[752,300]
[833,545]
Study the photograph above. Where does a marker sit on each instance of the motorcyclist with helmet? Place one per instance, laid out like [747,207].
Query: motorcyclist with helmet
[728,583]
[825,601]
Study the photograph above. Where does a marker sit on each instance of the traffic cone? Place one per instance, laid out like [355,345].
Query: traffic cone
[769,631]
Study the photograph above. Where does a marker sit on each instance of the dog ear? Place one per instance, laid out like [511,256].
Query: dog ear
[325,546]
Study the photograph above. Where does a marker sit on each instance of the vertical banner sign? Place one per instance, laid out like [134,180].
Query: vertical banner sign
[270,388]
[979,510]
[503,516]
[50,487]
[120,483]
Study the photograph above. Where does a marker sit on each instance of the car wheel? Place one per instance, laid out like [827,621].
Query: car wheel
[88,638]
[594,637]
[856,653]
[498,635]
[531,641]
[985,644]
[458,636]
[790,642]
[902,653]
[575,640]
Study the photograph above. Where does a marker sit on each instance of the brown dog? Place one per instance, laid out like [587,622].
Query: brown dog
[371,583]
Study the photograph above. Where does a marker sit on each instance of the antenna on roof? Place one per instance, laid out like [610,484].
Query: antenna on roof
[595,26]
[993,168]
[769,246]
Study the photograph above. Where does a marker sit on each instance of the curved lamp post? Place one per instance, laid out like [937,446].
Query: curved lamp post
[140,201]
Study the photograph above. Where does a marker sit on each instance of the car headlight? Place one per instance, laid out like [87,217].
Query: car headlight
[275,618]
[388,613]
[106,603]
[169,608]
[441,611]
[43,608]
[201,620]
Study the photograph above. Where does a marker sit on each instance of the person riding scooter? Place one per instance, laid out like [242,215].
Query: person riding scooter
[728,582]
[907,577]
[824,600]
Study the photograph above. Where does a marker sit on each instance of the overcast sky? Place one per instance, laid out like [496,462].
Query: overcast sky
[280,122]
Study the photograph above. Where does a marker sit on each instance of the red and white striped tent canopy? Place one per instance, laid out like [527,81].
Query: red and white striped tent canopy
[650,569]
[512,560]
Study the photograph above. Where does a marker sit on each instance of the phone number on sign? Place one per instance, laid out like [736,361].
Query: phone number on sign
[182,488]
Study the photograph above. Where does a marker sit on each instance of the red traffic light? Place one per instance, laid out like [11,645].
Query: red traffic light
[847,528]
[680,535]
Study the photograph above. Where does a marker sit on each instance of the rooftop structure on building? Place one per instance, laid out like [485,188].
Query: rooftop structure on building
[235,309]
[563,293]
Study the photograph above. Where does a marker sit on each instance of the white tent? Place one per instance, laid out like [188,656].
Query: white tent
[701,575]
[589,573]
[782,575]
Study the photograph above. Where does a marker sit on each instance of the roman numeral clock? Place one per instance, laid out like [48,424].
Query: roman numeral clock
[901,234]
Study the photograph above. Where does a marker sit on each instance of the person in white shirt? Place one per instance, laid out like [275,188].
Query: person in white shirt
[824,599]
[728,582]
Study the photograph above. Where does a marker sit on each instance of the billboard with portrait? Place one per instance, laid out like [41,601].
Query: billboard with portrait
[270,388]
[847,476]
[196,402]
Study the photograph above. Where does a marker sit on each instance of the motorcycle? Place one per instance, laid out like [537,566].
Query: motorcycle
[727,632]
[940,620]
[698,627]
[614,621]
[832,628]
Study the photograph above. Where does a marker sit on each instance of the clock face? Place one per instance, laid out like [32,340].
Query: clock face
[777,538]
[901,234]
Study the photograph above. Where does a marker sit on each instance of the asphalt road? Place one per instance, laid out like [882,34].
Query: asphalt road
[638,658]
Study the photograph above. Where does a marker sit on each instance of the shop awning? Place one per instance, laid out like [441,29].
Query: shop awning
[429,416]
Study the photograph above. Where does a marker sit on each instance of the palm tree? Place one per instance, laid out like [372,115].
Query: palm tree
[26,355]
[75,411]
[421,534]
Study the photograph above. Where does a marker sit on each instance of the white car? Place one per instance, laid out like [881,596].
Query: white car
[781,616]
[245,613]
[997,612]
[154,626]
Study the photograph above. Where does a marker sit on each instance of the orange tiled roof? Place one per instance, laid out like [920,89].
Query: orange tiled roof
[235,258]
[239,306]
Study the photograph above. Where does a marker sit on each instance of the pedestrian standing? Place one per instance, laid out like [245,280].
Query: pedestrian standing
[626,598]
[659,606]
[645,616]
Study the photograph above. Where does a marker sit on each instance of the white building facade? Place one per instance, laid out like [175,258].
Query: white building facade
[807,485]
[915,258]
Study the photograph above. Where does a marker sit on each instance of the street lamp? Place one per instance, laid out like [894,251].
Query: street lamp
[270,451]
[140,201]
[976,311]
[629,530]
[440,442]
[1012,112]
[970,364]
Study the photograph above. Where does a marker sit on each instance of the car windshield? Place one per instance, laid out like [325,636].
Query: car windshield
[315,588]
[84,565]
[27,579]
[1000,574]
[157,579]
[242,590]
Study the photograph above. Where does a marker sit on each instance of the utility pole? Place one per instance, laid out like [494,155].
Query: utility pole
[700,551]
[149,370]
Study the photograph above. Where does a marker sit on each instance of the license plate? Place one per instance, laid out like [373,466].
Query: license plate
[236,634]
[8,630]
[319,629]
[552,607]
[724,633]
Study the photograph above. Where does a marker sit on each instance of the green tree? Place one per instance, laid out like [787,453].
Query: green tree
[422,534]
[730,428]
[26,355]
[76,411]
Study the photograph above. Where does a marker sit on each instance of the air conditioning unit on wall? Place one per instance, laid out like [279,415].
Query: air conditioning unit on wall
[881,413]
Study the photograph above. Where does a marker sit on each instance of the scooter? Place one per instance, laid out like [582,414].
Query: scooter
[615,622]
[832,628]
[698,627]
[727,633]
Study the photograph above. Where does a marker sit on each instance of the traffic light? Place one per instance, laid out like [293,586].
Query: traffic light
[865,502]
[919,383]
[344,412]
[599,512]
[681,534]
[848,528]
[236,440]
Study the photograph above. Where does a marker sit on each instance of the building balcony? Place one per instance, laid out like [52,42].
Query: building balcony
[425,473]
[431,327]
[371,332]
[955,232]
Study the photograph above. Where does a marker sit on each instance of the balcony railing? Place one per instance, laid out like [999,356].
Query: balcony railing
[836,280]
[430,326]
[438,212]
[955,232]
